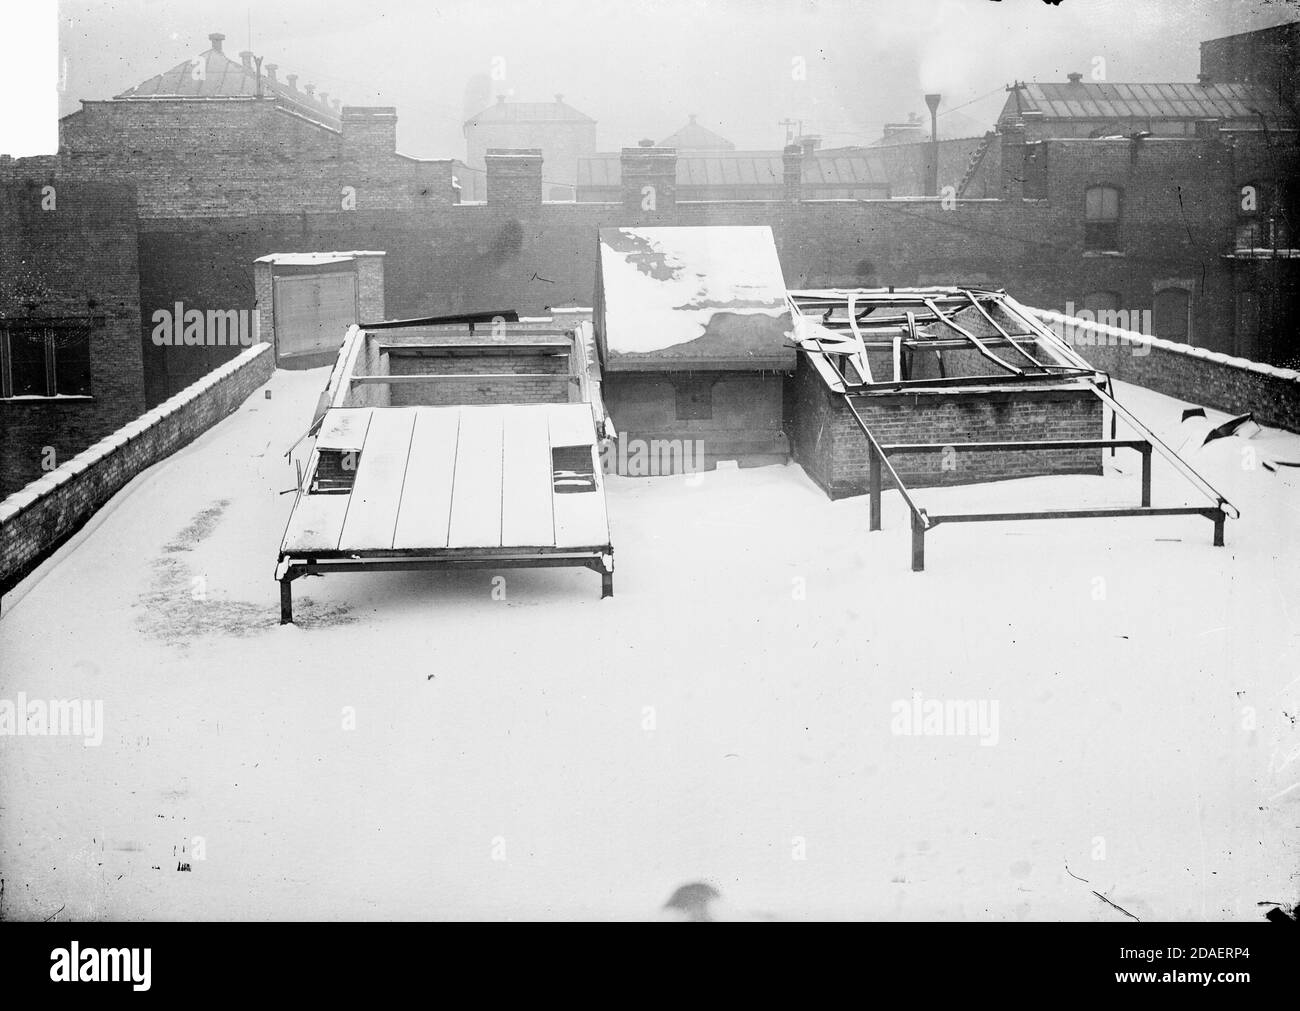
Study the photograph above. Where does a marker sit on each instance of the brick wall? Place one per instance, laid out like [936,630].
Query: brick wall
[76,259]
[550,388]
[40,517]
[833,450]
[1235,385]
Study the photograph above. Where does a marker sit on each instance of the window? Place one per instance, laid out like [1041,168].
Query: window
[1101,219]
[1170,314]
[694,399]
[336,472]
[573,469]
[45,359]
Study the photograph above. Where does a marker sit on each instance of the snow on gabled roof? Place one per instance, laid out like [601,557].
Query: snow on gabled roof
[706,297]
[213,74]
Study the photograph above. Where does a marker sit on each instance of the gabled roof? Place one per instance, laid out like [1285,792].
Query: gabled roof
[1089,100]
[502,111]
[693,137]
[692,298]
[222,77]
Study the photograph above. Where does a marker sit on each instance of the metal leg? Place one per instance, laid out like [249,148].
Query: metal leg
[918,545]
[286,600]
[606,585]
[873,470]
[1146,476]
[1218,528]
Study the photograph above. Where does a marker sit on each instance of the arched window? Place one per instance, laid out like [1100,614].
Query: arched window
[1171,315]
[1101,208]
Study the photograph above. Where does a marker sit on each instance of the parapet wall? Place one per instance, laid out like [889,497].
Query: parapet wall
[38,518]
[1223,382]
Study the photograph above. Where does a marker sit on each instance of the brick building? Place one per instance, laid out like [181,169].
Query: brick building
[562,134]
[70,359]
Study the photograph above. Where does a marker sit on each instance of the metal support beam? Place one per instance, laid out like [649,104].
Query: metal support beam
[286,600]
[1219,517]
[873,472]
[918,544]
[1146,474]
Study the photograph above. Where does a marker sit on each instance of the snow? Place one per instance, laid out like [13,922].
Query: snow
[663,286]
[727,712]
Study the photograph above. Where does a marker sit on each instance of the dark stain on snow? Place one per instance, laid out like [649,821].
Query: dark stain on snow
[171,611]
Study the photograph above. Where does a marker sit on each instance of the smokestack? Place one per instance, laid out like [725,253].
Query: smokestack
[932,161]
[271,68]
[1075,78]
[216,38]
[246,58]
[293,80]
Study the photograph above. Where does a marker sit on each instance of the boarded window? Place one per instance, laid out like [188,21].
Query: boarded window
[694,399]
[1101,206]
[1170,314]
[573,469]
[336,472]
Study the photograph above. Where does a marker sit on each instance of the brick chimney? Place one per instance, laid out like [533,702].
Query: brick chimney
[271,68]
[649,179]
[216,38]
[792,173]
[369,132]
[514,179]
[246,58]
[810,143]
[292,79]
[310,90]
[324,97]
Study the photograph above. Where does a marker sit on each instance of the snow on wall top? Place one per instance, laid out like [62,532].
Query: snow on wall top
[710,297]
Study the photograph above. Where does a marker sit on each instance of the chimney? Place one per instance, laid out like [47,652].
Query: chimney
[792,173]
[501,99]
[810,143]
[1075,78]
[649,179]
[216,38]
[692,119]
[271,68]
[336,105]
[293,81]
[369,139]
[514,179]
[311,90]
[932,149]
[325,97]
[558,98]
[246,58]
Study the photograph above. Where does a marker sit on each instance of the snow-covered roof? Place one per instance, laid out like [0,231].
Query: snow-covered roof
[707,297]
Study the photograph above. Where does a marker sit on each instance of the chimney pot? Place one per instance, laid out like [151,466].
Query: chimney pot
[501,99]
[246,58]
[216,38]
[325,97]
[310,89]
[1075,78]
[293,80]
[558,98]
[271,68]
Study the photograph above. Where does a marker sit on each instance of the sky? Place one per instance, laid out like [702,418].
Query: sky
[640,67]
